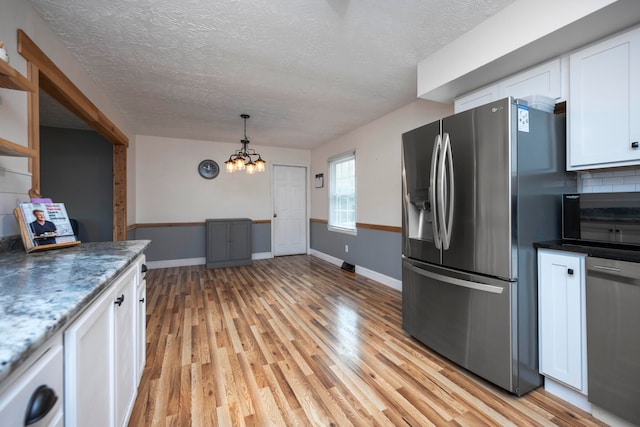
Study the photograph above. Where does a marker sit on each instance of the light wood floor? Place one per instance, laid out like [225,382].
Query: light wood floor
[297,341]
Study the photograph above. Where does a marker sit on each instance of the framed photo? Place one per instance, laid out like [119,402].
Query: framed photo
[319,180]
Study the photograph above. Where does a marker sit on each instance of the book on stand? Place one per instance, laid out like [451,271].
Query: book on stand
[44,226]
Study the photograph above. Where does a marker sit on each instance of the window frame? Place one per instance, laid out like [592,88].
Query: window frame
[331,167]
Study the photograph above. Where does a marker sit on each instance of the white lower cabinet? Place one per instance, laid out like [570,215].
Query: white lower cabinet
[561,317]
[101,369]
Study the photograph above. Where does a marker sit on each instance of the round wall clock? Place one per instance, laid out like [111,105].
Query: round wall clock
[208,169]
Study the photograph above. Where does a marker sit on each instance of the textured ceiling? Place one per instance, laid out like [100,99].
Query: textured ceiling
[307,71]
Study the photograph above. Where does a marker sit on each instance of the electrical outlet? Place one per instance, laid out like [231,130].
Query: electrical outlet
[346,248]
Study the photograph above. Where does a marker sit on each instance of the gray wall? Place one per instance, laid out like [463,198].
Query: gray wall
[380,251]
[188,241]
[77,169]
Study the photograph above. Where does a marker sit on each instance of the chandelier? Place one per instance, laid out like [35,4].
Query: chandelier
[242,159]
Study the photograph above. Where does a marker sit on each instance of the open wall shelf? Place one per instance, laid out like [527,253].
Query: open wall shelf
[8,148]
[12,79]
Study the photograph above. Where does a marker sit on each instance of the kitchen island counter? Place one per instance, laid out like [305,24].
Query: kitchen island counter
[42,292]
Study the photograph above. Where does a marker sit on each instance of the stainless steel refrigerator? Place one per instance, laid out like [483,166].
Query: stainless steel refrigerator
[479,188]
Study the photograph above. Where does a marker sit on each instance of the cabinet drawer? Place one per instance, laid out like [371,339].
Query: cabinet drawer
[45,370]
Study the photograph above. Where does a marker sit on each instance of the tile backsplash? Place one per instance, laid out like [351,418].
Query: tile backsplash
[609,181]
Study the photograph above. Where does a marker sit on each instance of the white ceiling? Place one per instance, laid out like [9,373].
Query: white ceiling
[307,71]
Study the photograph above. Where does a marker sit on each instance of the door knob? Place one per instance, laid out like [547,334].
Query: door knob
[275,215]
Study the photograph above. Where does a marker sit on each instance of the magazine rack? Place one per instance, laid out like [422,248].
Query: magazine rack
[30,241]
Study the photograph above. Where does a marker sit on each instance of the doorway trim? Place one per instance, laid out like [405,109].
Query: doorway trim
[46,75]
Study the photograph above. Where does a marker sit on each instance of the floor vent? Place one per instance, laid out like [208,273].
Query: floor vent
[348,267]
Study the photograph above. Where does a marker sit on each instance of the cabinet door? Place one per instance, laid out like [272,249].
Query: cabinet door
[88,361]
[141,338]
[604,104]
[217,241]
[239,240]
[561,317]
[228,242]
[125,345]
[542,80]
[476,99]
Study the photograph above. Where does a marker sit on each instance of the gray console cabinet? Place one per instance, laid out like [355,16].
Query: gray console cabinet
[228,242]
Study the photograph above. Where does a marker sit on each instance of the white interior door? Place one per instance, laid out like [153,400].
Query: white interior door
[289,210]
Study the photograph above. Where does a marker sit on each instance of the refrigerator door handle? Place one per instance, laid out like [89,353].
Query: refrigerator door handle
[448,224]
[458,282]
[433,191]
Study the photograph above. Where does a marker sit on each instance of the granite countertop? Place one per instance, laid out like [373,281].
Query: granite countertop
[613,251]
[42,291]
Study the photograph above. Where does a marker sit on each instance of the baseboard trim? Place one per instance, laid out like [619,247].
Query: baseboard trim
[261,255]
[168,263]
[196,261]
[567,394]
[373,275]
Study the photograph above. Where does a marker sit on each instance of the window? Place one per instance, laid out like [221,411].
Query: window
[342,193]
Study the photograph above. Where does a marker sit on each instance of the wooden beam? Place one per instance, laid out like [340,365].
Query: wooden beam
[119,192]
[61,88]
[45,74]
[33,116]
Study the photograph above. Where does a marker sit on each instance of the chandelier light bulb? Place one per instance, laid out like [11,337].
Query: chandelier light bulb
[239,163]
[251,168]
[230,165]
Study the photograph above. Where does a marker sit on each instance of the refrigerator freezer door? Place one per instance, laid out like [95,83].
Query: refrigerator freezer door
[466,318]
[481,232]
[418,204]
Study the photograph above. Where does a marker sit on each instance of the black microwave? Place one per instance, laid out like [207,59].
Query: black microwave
[602,217]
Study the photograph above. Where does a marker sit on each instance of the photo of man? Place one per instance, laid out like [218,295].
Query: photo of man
[44,231]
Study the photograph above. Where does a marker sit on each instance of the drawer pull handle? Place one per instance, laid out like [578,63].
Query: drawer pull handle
[41,402]
[570,271]
[142,300]
[634,144]
[144,268]
[120,300]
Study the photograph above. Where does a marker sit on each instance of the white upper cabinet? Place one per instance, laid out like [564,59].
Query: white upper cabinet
[544,79]
[604,104]
[477,98]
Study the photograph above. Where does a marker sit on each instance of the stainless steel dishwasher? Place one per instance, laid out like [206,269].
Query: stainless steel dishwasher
[613,336]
